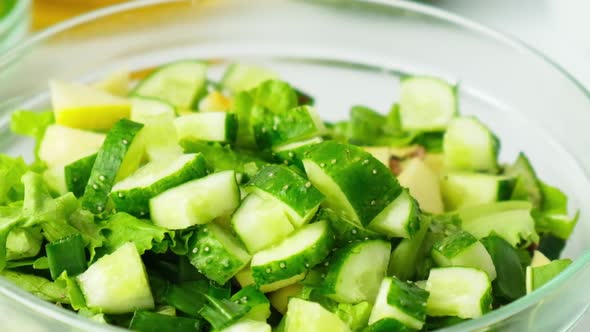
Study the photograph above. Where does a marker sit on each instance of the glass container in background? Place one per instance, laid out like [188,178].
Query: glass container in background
[48,12]
[14,22]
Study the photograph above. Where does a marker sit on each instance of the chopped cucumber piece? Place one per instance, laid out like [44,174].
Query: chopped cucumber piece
[79,106]
[426,103]
[279,299]
[62,145]
[255,300]
[296,254]
[159,134]
[196,202]
[388,325]
[539,259]
[118,157]
[399,219]
[527,186]
[355,271]
[67,255]
[248,325]
[461,190]
[463,249]
[261,222]
[458,291]
[212,127]
[117,83]
[510,220]
[469,145]
[510,274]
[301,200]
[132,195]
[340,171]
[540,275]
[306,316]
[423,185]
[181,83]
[78,173]
[293,153]
[239,77]
[55,179]
[117,283]
[276,129]
[403,258]
[401,301]
[216,253]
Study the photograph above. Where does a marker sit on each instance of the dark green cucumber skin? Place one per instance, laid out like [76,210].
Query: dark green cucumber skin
[527,186]
[205,252]
[136,201]
[278,270]
[250,296]
[67,255]
[387,325]
[272,129]
[200,93]
[454,244]
[289,187]
[231,127]
[408,298]
[505,189]
[78,173]
[107,164]
[293,157]
[145,321]
[364,180]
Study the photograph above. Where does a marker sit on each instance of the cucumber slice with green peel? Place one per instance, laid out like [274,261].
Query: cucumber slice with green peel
[458,291]
[468,145]
[239,77]
[301,251]
[255,300]
[79,106]
[356,185]
[196,202]
[402,301]
[527,186]
[356,271]
[77,174]
[216,253]
[540,275]
[62,145]
[510,220]
[539,259]
[248,325]
[301,200]
[293,153]
[118,157]
[427,103]
[117,83]
[245,278]
[463,249]
[181,83]
[145,321]
[403,258]
[423,185]
[306,316]
[133,194]
[387,325]
[261,222]
[209,126]
[159,133]
[117,283]
[276,129]
[399,218]
[461,190]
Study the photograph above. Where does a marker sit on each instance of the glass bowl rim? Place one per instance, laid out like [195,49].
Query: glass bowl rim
[14,15]
[65,316]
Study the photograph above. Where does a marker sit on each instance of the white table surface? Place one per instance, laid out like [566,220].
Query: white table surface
[558,28]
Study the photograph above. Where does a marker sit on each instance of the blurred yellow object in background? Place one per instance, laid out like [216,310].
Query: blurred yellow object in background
[48,12]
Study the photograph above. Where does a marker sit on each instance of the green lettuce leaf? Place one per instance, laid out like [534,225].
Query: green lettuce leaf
[32,124]
[221,313]
[73,291]
[38,286]
[552,217]
[121,228]
[11,171]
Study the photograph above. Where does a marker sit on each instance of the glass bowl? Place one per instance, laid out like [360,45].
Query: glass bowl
[344,52]
[14,22]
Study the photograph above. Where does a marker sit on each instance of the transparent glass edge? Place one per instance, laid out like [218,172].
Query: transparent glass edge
[495,316]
